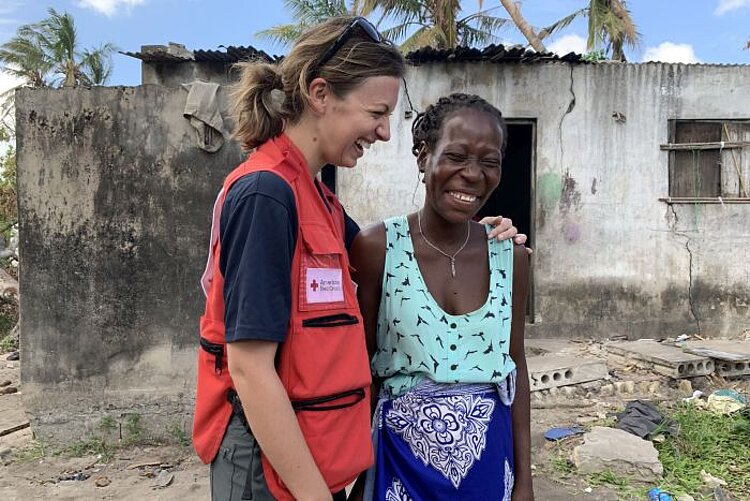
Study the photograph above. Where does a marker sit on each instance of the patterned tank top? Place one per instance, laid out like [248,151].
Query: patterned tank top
[418,340]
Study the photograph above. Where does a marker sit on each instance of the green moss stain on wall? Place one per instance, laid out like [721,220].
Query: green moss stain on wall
[549,188]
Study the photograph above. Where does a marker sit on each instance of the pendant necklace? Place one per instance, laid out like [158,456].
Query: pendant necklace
[449,256]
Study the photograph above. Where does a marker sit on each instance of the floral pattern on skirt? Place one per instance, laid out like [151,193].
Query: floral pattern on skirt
[441,441]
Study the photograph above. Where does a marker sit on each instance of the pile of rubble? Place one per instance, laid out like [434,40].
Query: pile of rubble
[594,379]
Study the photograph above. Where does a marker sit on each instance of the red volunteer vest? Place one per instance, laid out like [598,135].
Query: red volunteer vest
[323,363]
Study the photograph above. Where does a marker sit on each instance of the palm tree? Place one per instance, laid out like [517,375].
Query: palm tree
[307,13]
[23,57]
[610,25]
[417,22]
[96,64]
[47,52]
[436,23]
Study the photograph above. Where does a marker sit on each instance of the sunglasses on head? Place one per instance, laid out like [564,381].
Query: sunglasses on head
[358,22]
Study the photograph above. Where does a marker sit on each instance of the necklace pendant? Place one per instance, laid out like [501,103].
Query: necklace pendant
[453,268]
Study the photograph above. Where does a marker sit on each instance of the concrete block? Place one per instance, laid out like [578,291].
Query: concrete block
[625,386]
[554,371]
[731,357]
[569,391]
[643,386]
[607,390]
[664,359]
[544,346]
[610,449]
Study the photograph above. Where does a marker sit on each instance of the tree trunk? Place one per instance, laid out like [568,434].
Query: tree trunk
[523,26]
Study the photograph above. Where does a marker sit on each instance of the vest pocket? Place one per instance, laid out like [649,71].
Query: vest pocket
[323,269]
[340,441]
[215,349]
[331,320]
[330,402]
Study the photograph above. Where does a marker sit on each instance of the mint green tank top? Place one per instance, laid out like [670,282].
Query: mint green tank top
[417,340]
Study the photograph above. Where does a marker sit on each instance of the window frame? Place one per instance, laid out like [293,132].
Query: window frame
[742,172]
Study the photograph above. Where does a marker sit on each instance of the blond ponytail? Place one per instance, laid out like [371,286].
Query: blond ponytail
[257,108]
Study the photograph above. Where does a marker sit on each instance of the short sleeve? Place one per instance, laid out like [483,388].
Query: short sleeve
[351,230]
[258,232]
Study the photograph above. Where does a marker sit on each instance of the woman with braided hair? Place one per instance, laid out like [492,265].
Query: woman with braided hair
[444,311]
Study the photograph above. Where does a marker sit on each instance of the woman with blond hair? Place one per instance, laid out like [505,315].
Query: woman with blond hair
[282,405]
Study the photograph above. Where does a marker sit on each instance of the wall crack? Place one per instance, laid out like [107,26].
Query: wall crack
[571,105]
[691,303]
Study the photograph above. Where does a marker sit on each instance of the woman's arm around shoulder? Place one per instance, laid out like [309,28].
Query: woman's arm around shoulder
[521,411]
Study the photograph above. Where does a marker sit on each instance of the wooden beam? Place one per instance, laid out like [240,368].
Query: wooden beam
[705,146]
[705,200]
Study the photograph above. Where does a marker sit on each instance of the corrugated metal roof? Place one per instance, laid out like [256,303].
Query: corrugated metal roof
[492,53]
[176,53]
[234,54]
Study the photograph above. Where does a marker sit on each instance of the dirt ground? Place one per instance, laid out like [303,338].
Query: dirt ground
[174,473]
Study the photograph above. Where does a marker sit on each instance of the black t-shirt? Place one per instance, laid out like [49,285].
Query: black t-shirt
[258,232]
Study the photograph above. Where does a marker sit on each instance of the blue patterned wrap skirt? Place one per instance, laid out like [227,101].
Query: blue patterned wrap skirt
[444,442]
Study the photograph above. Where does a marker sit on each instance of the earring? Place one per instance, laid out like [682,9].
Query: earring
[420,177]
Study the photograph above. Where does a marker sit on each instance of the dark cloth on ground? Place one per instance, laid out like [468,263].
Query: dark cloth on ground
[644,420]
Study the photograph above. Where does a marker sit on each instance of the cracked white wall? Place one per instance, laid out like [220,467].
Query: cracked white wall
[610,257]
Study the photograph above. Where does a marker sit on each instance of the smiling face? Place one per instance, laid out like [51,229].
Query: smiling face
[352,123]
[464,167]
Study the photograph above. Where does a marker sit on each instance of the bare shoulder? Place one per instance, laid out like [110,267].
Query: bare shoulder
[367,254]
[371,236]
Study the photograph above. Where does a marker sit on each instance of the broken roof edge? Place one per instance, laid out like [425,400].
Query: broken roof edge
[492,53]
[178,53]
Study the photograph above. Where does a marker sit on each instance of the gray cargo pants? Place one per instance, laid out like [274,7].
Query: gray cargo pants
[236,472]
[236,465]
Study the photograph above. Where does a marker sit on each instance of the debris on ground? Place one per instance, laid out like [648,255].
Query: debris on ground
[644,420]
[102,481]
[657,494]
[577,449]
[164,479]
[555,434]
[78,476]
[618,452]
[712,481]
[726,401]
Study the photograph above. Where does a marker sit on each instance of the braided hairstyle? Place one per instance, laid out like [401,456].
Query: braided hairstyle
[426,127]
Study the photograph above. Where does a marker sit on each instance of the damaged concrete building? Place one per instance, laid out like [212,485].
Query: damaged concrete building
[631,180]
